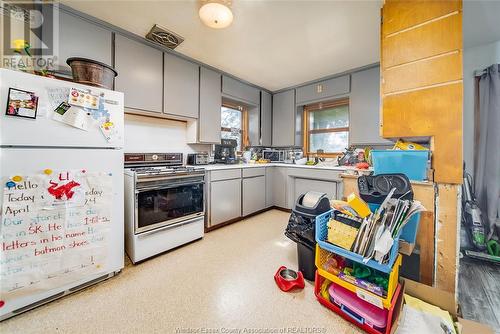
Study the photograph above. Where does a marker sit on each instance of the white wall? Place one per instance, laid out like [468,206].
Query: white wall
[474,58]
[146,134]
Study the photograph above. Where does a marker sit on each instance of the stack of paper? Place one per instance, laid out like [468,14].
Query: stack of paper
[379,230]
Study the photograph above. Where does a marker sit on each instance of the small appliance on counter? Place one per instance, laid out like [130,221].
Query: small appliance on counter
[225,153]
[274,155]
[194,159]
[292,155]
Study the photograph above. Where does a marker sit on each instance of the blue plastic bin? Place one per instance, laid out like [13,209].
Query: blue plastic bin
[412,163]
[408,233]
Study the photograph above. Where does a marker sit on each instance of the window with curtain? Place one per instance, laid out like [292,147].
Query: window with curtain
[233,124]
[326,127]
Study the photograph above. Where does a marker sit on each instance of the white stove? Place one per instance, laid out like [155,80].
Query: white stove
[164,203]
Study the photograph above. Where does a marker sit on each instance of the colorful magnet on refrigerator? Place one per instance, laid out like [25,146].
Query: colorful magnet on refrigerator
[2,303]
[17,178]
[47,171]
[10,184]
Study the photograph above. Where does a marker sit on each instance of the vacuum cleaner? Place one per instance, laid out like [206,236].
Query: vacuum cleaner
[472,220]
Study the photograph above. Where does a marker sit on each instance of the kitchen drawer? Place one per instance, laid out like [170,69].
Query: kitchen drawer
[225,174]
[318,174]
[255,171]
[323,89]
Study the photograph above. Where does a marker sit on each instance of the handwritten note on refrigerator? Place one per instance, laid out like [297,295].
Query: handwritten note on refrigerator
[54,229]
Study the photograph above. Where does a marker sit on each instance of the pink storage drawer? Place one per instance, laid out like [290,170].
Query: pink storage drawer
[358,309]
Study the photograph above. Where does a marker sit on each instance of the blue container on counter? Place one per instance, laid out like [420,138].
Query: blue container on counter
[412,163]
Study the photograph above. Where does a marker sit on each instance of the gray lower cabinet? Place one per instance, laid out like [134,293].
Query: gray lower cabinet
[266,118]
[284,113]
[364,108]
[254,198]
[278,177]
[82,38]
[240,91]
[181,87]
[269,187]
[210,106]
[323,90]
[140,74]
[225,201]
[302,186]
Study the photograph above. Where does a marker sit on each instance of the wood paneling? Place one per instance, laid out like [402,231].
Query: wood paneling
[423,192]
[434,112]
[427,72]
[425,241]
[428,40]
[421,92]
[447,235]
[400,15]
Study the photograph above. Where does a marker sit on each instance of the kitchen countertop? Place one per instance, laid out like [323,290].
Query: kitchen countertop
[273,164]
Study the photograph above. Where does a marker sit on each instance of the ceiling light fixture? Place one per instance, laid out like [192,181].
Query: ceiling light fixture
[216,14]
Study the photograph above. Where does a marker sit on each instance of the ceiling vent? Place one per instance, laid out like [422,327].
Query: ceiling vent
[164,37]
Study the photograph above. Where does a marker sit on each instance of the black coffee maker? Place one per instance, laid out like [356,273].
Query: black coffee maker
[225,153]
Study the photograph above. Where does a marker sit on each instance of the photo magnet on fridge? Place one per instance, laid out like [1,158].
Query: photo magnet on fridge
[21,103]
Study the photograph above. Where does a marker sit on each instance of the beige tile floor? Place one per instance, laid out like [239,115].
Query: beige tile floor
[222,282]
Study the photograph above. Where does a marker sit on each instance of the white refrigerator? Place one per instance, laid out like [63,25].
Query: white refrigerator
[61,174]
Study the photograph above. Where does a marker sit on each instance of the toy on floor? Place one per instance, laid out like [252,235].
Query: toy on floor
[357,274]
[288,279]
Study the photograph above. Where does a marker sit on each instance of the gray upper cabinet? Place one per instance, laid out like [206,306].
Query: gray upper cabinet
[140,74]
[240,91]
[266,118]
[181,87]
[284,118]
[364,108]
[323,90]
[81,38]
[210,106]
[254,126]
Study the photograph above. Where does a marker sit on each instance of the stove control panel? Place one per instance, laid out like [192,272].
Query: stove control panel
[167,159]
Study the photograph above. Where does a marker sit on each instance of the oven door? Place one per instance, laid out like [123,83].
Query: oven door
[164,203]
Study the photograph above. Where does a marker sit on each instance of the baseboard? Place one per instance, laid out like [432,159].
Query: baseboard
[211,228]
